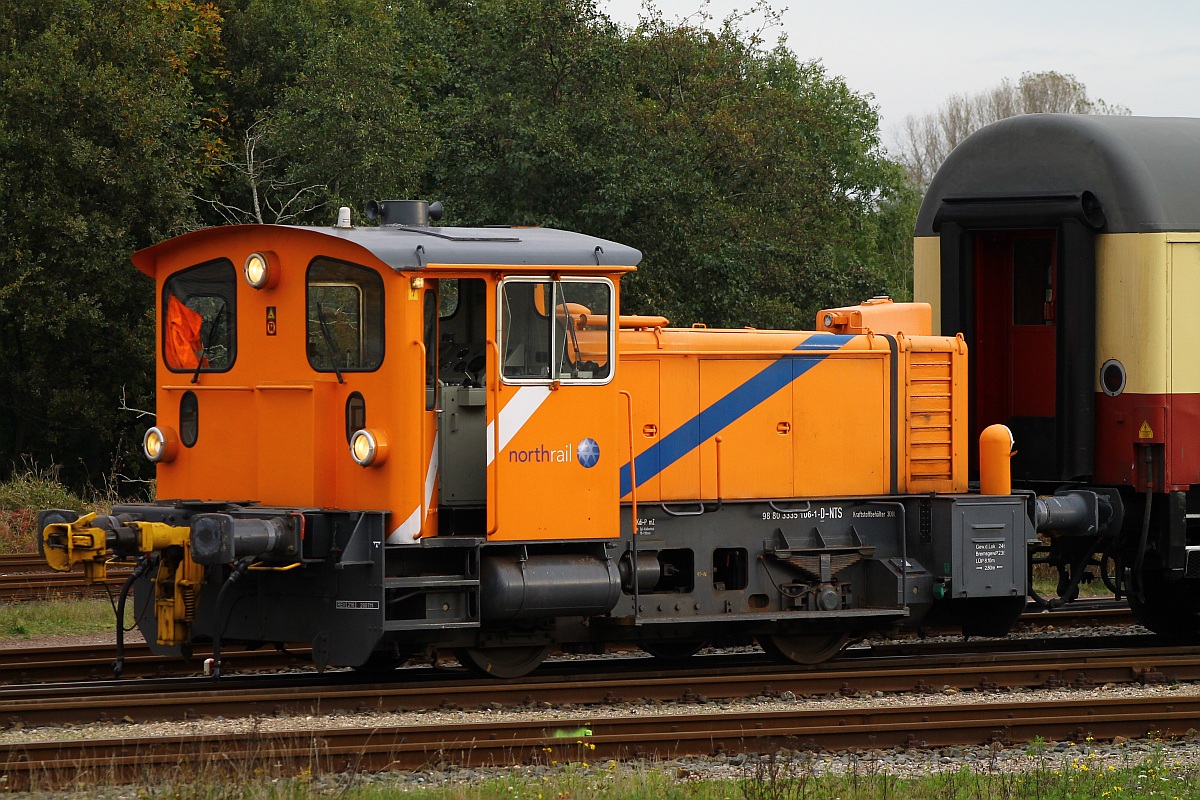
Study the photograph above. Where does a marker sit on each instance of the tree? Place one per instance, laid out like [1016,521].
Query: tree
[926,141]
[321,98]
[101,142]
[753,182]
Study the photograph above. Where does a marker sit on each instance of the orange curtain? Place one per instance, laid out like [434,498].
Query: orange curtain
[184,345]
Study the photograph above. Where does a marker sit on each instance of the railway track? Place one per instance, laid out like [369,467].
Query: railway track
[978,668]
[623,680]
[589,737]
[24,577]
[95,662]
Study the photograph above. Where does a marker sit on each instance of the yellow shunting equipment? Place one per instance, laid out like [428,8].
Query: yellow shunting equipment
[177,580]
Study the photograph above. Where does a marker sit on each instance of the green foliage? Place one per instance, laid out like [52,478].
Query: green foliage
[753,182]
[99,137]
[321,108]
[21,497]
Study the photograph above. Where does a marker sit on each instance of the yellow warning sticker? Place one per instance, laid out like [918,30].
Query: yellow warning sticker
[1146,432]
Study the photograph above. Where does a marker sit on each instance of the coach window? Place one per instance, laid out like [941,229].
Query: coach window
[1033,281]
[199,315]
[556,330]
[344,317]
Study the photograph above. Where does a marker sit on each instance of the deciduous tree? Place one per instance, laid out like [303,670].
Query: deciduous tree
[102,139]
[925,141]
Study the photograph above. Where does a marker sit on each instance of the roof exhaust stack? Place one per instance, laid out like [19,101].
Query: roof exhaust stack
[409,213]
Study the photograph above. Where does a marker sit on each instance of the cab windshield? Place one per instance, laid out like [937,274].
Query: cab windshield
[345,317]
[199,314]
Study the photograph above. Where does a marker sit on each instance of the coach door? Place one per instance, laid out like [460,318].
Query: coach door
[1015,349]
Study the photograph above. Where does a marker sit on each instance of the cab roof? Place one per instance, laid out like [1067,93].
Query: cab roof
[417,247]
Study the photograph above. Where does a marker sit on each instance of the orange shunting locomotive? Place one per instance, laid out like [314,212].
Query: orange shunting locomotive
[394,440]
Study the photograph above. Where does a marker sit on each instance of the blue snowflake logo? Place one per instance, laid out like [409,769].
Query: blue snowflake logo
[589,453]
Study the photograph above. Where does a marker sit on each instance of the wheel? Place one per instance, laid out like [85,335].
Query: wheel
[1168,610]
[673,649]
[812,648]
[503,662]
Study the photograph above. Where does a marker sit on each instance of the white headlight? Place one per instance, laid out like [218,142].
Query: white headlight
[368,447]
[159,444]
[258,271]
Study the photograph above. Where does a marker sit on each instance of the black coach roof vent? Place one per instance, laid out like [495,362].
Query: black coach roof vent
[411,213]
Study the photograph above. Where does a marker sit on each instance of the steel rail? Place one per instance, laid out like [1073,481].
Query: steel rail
[94,661]
[25,577]
[622,681]
[591,737]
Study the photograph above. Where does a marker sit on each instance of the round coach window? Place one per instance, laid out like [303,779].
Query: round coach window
[1112,377]
[189,419]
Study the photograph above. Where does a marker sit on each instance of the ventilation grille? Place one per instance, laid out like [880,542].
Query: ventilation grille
[930,417]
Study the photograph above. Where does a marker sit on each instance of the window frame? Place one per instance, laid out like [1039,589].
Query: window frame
[611,338]
[363,304]
[230,300]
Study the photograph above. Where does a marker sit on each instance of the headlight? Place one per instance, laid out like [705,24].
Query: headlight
[260,272]
[160,444]
[368,447]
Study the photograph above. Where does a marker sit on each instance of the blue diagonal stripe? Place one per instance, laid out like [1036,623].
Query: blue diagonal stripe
[727,410]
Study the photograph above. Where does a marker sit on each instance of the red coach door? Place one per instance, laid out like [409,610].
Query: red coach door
[1016,342]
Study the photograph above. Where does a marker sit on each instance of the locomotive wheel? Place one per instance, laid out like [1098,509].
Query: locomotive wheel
[1168,611]
[807,649]
[674,649]
[503,662]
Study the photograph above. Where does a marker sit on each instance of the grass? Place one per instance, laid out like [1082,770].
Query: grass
[21,497]
[56,618]
[1045,583]
[1043,776]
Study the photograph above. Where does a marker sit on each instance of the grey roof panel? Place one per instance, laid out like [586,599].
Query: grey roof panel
[1145,171]
[413,248]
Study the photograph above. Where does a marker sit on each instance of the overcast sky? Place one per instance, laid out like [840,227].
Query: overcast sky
[912,55]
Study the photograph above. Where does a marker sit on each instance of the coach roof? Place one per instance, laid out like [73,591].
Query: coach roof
[1143,171]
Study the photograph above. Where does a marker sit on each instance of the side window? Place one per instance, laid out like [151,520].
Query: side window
[556,330]
[431,349]
[526,327]
[199,316]
[344,317]
[582,312]
[448,302]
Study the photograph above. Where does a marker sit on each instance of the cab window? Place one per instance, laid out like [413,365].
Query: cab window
[199,314]
[344,317]
[556,330]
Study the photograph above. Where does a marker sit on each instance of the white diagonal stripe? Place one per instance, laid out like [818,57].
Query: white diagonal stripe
[513,416]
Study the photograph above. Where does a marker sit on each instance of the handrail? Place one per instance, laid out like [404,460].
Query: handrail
[423,512]
[632,472]
[493,500]
[633,529]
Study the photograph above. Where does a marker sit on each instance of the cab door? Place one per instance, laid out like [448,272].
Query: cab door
[553,445]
